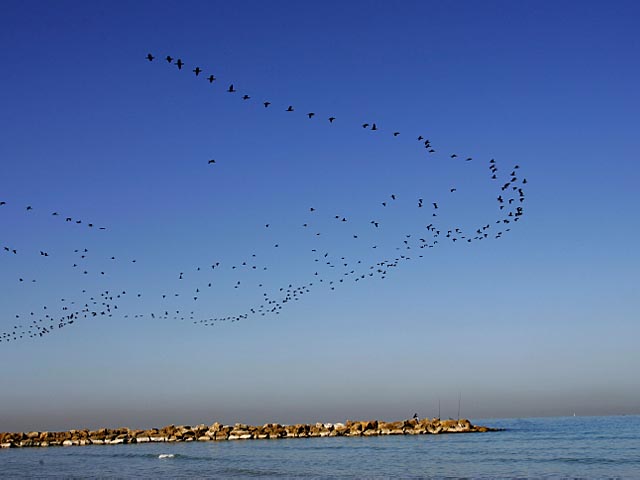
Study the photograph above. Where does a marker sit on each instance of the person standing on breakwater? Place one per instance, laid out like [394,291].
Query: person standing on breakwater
[415,417]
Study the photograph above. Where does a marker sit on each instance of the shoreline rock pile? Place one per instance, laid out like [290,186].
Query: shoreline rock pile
[239,431]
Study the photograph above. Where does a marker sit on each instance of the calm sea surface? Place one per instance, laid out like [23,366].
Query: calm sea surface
[573,447]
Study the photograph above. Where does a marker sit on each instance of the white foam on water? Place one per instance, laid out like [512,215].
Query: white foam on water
[166,455]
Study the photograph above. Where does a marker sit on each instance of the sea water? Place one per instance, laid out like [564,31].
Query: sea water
[569,447]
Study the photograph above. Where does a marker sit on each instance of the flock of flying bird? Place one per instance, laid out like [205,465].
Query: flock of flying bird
[329,269]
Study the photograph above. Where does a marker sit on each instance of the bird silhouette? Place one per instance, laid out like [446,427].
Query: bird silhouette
[179,63]
[197,71]
[231,89]
[272,305]
[211,78]
[150,57]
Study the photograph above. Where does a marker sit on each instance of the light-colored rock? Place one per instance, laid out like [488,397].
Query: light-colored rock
[434,429]
[240,431]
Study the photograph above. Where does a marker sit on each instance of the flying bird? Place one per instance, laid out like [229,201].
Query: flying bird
[231,89]
[179,63]
[197,71]
[150,57]
[211,78]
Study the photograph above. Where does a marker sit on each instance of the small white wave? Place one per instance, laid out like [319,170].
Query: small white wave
[166,455]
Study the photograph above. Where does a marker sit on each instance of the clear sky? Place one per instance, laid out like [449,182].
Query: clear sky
[540,321]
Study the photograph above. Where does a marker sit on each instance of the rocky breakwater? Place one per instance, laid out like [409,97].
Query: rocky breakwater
[239,431]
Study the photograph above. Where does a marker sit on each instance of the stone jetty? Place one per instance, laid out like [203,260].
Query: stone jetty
[239,431]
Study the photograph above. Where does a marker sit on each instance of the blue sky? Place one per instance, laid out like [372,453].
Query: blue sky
[542,321]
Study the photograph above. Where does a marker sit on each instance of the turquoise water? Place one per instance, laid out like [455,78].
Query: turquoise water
[584,447]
